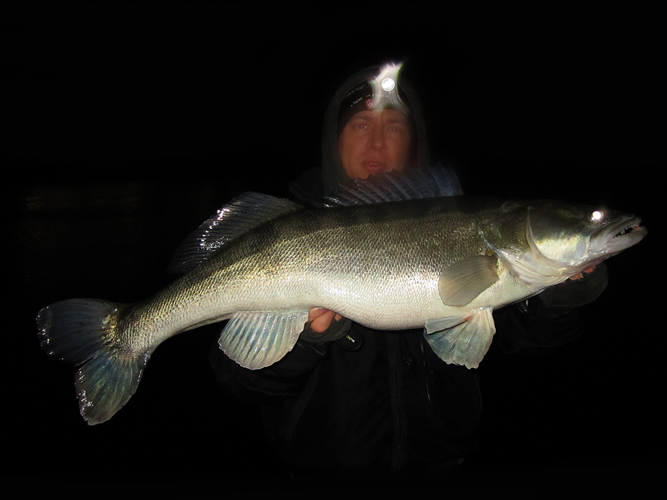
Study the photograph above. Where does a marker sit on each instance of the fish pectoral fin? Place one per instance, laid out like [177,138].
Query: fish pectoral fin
[460,283]
[258,339]
[466,341]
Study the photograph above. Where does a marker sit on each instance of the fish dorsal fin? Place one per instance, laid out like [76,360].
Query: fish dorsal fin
[461,282]
[410,184]
[258,339]
[240,215]
[466,342]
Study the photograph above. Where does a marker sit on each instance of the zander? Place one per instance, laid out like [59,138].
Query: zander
[393,252]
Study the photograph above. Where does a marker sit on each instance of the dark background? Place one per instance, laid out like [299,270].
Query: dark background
[125,126]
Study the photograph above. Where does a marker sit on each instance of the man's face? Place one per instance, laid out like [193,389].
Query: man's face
[373,142]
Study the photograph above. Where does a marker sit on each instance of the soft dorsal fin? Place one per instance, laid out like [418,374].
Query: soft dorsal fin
[240,215]
[411,184]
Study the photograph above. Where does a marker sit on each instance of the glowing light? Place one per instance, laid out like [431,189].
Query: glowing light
[388,84]
[597,216]
[385,90]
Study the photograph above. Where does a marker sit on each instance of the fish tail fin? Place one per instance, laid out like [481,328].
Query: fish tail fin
[84,332]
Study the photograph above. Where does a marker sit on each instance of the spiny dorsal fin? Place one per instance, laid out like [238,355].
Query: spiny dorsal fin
[411,184]
[240,215]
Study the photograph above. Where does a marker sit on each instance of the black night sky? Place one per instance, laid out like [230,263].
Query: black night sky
[126,124]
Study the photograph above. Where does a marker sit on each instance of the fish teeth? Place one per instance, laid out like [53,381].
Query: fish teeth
[625,231]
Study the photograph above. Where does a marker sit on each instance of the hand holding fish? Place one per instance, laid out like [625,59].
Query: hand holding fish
[320,319]
[578,290]
[581,274]
[324,325]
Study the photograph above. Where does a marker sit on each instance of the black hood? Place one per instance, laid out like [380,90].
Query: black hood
[332,174]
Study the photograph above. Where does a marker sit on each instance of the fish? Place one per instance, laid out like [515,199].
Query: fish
[392,252]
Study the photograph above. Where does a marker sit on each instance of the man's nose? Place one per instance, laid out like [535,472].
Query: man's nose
[377,138]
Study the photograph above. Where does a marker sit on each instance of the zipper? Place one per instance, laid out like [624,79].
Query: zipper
[426,371]
[397,404]
[398,417]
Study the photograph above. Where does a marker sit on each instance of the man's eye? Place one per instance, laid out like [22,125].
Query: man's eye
[397,129]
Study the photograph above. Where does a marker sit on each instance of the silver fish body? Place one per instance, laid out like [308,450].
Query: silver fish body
[375,264]
[439,263]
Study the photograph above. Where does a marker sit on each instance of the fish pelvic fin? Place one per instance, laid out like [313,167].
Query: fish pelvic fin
[82,332]
[462,340]
[258,339]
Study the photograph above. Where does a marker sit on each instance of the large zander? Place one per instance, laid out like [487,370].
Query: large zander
[443,263]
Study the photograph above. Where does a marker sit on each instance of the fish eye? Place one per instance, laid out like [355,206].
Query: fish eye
[597,216]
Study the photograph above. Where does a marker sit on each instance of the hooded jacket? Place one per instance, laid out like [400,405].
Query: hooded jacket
[375,404]
[316,183]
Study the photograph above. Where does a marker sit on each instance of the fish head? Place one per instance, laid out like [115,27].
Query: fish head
[576,235]
[549,241]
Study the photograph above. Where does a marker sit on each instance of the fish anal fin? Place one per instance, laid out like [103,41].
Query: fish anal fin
[259,339]
[466,342]
[461,282]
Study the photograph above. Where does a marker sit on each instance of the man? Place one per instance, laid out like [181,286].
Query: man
[373,136]
[352,403]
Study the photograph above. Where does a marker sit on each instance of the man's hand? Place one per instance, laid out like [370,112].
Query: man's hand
[321,319]
[577,291]
[323,327]
[581,274]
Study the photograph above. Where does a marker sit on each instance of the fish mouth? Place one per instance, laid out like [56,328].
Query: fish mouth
[618,236]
